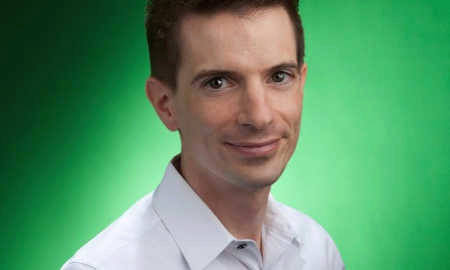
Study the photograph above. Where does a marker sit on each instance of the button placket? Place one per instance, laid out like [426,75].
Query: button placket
[241,246]
[248,254]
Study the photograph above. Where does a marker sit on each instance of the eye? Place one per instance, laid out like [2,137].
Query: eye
[216,83]
[280,76]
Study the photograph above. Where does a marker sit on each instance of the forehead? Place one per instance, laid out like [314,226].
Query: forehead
[259,39]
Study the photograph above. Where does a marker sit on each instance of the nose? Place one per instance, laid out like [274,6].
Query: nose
[255,108]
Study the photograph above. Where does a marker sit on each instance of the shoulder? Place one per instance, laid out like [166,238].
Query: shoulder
[305,226]
[318,248]
[118,243]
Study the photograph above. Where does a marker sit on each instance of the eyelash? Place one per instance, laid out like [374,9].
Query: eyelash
[205,83]
[289,76]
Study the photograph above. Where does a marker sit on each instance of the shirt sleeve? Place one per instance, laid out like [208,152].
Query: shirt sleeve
[77,266]
[334,257]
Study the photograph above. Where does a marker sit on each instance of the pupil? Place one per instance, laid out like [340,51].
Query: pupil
[216,83]
[278,77]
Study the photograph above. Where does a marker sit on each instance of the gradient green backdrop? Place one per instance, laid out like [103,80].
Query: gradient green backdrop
[80,142]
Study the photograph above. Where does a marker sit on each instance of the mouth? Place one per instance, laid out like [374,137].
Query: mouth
[254,149]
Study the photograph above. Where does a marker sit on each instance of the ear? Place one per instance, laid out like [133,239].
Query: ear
[161,97]
[303,72]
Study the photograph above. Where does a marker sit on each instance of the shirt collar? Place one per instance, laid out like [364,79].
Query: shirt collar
[199,234]
[279,219]
[280,231]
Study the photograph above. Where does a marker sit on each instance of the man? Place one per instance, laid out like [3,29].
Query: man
[229,77]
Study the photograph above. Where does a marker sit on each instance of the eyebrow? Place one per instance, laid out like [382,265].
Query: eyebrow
[289,65]
[232,74]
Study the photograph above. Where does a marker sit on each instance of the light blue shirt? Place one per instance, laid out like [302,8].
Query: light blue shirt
[172,228]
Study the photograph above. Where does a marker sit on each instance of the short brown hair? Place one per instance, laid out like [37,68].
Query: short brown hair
[164,17]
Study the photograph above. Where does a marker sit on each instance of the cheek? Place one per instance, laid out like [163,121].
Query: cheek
[290,108]
[208,118]
[292,113]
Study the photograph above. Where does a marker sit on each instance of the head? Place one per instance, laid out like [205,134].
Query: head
[165,16]
[229,76]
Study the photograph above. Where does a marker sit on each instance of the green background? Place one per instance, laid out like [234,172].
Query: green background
[80,143]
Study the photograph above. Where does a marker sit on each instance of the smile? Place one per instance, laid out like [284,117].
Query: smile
[254,149]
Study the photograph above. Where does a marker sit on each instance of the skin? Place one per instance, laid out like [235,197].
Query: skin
[237,108]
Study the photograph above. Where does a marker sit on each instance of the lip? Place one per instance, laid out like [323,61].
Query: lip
[254,149]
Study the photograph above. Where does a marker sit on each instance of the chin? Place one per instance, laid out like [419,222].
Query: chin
[253,173]
[257,179]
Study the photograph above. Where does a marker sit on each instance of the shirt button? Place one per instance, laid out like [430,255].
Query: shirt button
[241,246]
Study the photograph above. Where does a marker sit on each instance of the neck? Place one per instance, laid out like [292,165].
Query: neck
[240,210]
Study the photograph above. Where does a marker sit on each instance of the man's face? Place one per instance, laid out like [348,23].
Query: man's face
[239,98]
